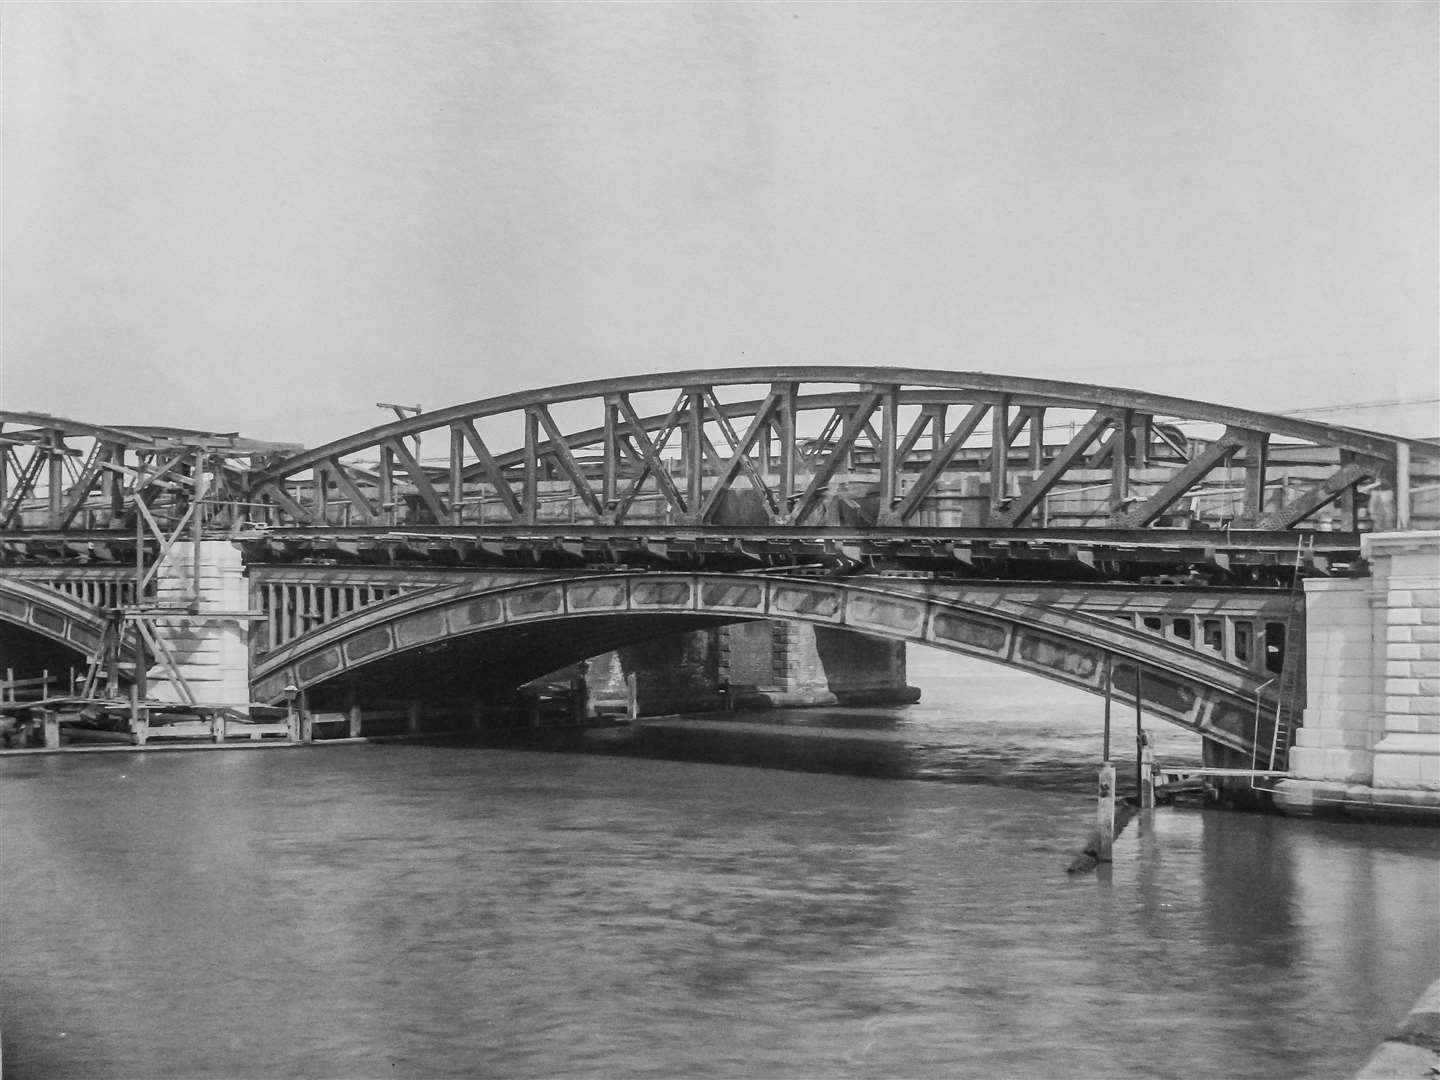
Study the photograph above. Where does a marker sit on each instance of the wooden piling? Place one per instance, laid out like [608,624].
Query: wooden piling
[1147,773]
[1105,813]
[50,721]
[632,697]
[1139,729]
[139,719]
[1109,694]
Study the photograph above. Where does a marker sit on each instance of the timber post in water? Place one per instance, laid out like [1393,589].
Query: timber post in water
[1105,814]
[1147,772]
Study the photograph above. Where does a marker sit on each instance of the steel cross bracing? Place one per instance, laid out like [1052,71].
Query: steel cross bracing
[114,494]
[65,476]
[785,463]
[846,446]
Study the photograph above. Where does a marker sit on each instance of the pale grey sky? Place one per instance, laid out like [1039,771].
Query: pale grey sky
[268,217]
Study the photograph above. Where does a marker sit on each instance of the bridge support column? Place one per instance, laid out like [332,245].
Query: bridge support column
[1370,741]
[210,648]
[811,665]
[754,665]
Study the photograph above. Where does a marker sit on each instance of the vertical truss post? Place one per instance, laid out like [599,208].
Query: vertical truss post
[1141,429]
[389,512]
[999,450]
[197,527]
[1120,442]
[140,579]
[457,475]
[56,451]
[785,394]
[1037,438]
[1257,453]
[610,481]
[113,487]
[889,482]
[321,472]
[530,499]
[694,452]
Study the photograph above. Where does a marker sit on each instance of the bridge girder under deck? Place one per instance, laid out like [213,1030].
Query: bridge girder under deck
[555,616]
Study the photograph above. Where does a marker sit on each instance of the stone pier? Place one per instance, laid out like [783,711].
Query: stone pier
[210,646]
[769,664]
[1370,742]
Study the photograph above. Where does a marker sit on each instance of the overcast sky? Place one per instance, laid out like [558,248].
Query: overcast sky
[268,217]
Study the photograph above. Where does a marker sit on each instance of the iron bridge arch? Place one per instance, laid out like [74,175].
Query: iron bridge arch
[56,617]
[776,446]
[1225,704]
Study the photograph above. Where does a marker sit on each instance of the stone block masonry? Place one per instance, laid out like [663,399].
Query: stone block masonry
[1370,740]
[759,664]
[210,648]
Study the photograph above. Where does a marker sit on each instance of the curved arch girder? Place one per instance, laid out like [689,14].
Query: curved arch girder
[780,453]
[1186,688]
[55,616]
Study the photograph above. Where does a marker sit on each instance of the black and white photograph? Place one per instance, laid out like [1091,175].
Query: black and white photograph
[757,540]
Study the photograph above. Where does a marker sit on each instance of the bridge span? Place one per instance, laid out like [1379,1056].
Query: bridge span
[1090,534]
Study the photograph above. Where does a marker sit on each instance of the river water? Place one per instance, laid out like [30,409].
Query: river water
[444,910]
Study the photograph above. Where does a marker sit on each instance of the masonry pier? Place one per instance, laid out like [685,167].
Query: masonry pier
[1369,745]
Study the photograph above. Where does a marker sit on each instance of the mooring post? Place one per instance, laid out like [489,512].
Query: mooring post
[292,717]
[632,697]
[1105,813]
[579,699]
[1139,732]
[307,720]
[217,726]
[413,716]
[1109,687]
[355,721]
[1147,773]
[50,721]
[139,718]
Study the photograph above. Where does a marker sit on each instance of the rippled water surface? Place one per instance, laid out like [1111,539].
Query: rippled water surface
[402,910]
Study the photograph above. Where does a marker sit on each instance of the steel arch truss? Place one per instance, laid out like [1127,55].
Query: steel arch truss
[59,475]
[1220,701]
[815,446]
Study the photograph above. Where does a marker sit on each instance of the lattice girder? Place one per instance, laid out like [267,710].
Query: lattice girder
[803,446]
